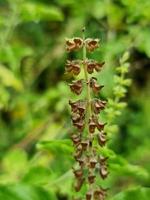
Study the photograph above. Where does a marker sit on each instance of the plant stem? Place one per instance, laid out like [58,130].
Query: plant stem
[88,98]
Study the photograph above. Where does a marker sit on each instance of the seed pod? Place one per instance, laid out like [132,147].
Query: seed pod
[95,86]
[78,173]
[102,160]
[74,106]
[89,195]
[100,126]
[91,44]
[98,66]
[91,178]
[74,44]
[93,162]
[84,144]
[76,139]
[81,162]
[79,125]
[103,171]
[102,138]
[75,117]
[73,67]
[92,125]
[98,105]
[76,86]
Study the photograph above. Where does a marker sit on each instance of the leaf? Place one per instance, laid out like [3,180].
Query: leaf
[37,175]
[137,194]
[25,192]
[37,11]
[57,146]
[8,79]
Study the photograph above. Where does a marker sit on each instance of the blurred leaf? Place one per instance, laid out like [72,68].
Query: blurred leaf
[37,11]
[137,194]
[8,79]
[25,192]
[37,175]
[57,146]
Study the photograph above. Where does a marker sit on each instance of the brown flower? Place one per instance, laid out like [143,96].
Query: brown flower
[95,86]
[78,173]
[93,65]
[76,86]
[91,178]
[85,144]
[73,67]
[81,162]
[89,195]
[100,194]
[80,125]
[102,138]
[100,126]
[98,105]
[92,125]
[103,171]
[91,44]
[92,162]
[74,44]
[76,138]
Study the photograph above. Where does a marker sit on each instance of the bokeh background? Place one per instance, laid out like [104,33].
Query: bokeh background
[34,93]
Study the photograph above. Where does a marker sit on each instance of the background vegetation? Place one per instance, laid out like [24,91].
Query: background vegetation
[35,155]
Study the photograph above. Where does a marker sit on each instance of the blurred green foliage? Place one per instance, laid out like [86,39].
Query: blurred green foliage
[35,153]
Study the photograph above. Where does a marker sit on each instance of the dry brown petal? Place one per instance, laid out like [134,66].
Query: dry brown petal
[70,45]
[75,117]
[76,86]
[93,163]
[95,86]
[74,105]
[102,138]
[76,139]
[98,105]
[91,178]
[85,144]
[92,125]
[74,44]
[103,171]
[73,67]
[81,162]
[89,195]
[100,194]
[80,125]
[102,160]
[91,44]
[78,173]
[98,66]
[100,126]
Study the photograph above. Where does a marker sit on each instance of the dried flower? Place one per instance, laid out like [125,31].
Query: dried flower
[73,67]
[76,86]
[74,44]
[85,119]
[91,44]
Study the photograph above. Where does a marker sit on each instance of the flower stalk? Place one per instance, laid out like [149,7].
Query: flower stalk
[89,132]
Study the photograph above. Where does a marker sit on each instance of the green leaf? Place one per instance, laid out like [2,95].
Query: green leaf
[25,192]
[8,79]
[36,11]
[57,146]
[134,194]
[125,57]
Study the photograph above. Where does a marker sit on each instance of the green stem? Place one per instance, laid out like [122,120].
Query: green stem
[88,98]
